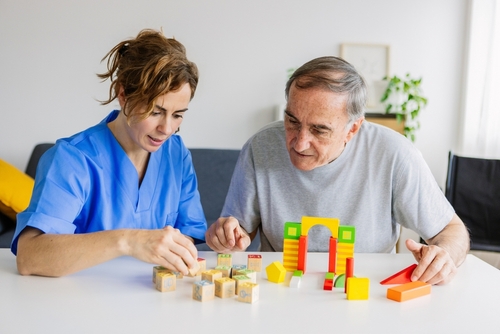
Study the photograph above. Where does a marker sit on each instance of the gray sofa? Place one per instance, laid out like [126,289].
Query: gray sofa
[7,225]
[214,168]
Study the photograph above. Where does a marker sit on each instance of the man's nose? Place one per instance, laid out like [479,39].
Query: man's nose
[303,140]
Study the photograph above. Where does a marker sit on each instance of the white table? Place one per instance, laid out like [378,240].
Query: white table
[119,297]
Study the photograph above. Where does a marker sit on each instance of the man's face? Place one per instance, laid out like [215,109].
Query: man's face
[316,126]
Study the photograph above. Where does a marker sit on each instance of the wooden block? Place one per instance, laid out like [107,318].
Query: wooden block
[275,272]
[347,234]
[290,254]
[340,281]
[225,270]
[203,291]
[349,271]
[358,288]
[225,287]
[408,291]
[401,277]
[211,275]
[165,281]
[250,273]
[254,262]
[302,258]
[296,279]
[332,255]
[196,270]
[328,284]
[225,260]
[203,266]
[177,274]
[158,269]
[249,292]
[235,269]
[344,250]
[239,279]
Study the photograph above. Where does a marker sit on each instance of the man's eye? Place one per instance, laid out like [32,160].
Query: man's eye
[178,116]
[319,132]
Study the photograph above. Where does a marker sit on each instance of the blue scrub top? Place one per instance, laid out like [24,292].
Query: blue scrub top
[86,183]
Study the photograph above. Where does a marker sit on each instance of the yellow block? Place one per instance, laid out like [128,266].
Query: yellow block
[276,272]
[331,223]
[358,288]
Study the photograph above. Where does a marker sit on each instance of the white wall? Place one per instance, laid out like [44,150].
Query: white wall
[50,51]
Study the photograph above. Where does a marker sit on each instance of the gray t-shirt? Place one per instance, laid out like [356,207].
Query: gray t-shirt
[379,182]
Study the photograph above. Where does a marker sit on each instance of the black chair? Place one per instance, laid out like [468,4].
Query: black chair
[214,168]
[7,225]
[473,189]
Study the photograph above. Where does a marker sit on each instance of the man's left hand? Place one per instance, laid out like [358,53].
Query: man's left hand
[435,265]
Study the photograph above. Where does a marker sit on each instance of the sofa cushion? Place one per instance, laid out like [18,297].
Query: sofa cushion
[16,188]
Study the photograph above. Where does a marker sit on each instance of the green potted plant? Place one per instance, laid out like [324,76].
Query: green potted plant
[403,97]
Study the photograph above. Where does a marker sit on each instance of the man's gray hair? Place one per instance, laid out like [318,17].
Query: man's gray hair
[336,75]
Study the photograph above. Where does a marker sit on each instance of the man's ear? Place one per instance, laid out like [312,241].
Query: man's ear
[354,129]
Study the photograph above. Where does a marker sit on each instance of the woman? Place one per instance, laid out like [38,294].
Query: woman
[125,186]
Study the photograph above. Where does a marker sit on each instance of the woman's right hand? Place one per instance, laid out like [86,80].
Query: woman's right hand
[167,247]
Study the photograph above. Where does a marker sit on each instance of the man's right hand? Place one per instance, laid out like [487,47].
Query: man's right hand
[226,235]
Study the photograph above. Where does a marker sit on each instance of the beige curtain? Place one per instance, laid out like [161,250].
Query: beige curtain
[480,130]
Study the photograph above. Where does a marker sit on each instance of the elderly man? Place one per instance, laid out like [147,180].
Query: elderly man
[323,160]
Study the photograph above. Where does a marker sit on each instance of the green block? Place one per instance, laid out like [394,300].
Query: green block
[292,230]
[298,273]
[330,276]
[347,234]
[340,281]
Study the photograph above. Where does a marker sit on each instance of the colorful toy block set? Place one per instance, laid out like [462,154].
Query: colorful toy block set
[227,280]
[340,273]
[224,281]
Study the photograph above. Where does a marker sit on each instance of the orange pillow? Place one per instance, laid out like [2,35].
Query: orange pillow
[16,188]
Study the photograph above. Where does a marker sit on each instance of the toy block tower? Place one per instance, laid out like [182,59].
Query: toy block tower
[254,262]
[291,245]
[165,281]
[249,292]
[203,291]
[225,287]
[345,247]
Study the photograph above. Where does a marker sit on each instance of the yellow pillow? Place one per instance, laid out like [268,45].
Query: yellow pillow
[16,188]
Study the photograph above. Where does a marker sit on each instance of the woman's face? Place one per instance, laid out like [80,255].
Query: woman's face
[149,134]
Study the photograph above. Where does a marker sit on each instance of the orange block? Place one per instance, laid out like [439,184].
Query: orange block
[404,292]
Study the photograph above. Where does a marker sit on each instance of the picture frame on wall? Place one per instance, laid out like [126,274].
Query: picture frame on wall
[372,61]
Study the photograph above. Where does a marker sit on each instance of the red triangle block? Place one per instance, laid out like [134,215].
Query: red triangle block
[402,277]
